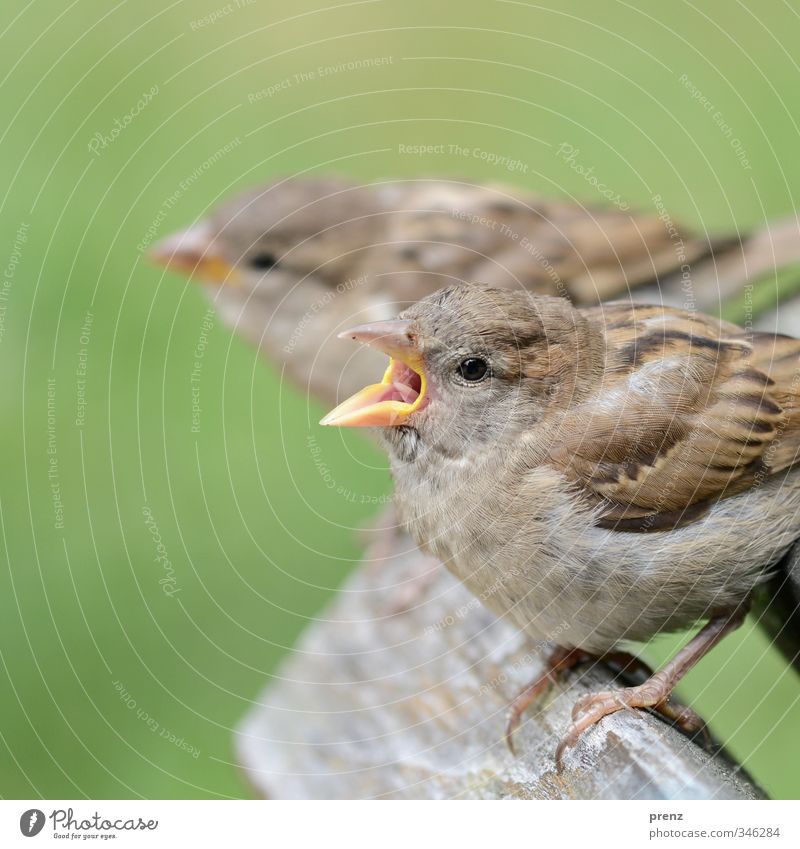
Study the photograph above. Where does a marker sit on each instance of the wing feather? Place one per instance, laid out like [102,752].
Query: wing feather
[503,237]
[690,410]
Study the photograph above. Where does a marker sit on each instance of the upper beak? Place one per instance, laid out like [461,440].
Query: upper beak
[192,252]
[403,389]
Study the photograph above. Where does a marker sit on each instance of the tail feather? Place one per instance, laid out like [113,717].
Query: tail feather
[737,261]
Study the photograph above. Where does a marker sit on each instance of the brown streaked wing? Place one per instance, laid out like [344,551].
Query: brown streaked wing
[503,237]
[690,409]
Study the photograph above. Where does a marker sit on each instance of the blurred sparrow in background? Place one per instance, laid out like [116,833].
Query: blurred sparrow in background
[289,264]
[624,469]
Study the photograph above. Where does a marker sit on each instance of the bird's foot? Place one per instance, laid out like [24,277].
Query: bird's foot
[561,660]
[592,707]
[656,691]
[678,714]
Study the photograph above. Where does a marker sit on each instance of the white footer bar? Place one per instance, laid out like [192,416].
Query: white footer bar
[405,825]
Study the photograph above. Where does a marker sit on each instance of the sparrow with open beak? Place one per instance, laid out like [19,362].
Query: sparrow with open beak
[289,264]
[596,475]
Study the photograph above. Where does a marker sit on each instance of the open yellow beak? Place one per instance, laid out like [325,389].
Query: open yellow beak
[403,389]
[192,252]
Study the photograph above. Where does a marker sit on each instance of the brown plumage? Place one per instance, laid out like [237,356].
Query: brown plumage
[418,235]
[690,409]
[602,474]
[290,263]
[670,425]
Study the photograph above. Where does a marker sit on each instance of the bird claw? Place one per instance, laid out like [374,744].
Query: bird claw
[684,717]
[653,694]
[513,720]
[581,706]
[590,708]
[559,662]
[522,702]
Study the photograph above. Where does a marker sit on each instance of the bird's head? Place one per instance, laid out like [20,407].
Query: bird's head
[470,365]
[273,236]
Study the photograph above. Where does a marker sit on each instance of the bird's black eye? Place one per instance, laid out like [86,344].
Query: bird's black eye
[263,261]
[473,369]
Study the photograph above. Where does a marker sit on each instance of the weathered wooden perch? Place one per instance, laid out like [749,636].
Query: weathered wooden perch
[376,704]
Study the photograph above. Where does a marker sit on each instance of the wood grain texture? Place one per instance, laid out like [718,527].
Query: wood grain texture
[376,703]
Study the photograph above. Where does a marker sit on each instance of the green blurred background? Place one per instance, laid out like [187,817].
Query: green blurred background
[255,539]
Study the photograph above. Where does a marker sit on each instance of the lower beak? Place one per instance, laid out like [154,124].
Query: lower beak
[192,252]
[401,392]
